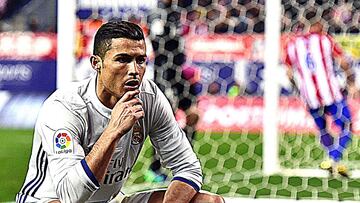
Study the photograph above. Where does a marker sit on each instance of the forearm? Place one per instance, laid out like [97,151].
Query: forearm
[100,155]
[179,192]
[124,115]
[76,185]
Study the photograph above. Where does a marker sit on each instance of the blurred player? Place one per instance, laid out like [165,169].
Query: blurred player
[88,136]
[311,56]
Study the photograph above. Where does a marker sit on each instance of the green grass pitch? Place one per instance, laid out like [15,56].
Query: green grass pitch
[14,156]
[231,165]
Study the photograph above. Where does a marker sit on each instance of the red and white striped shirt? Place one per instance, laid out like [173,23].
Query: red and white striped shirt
[311,56]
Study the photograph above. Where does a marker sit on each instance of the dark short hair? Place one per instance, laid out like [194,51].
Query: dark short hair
[115,29]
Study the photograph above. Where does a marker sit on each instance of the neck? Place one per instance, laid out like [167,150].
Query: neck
[105,97]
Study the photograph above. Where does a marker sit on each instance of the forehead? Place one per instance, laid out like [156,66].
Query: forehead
[128,46]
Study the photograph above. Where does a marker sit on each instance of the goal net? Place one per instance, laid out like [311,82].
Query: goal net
[220,59]
[300,151]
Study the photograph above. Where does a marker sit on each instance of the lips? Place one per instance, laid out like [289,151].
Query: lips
[132,84]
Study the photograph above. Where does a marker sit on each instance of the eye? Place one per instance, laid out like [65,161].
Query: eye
[123,59]
[141,60]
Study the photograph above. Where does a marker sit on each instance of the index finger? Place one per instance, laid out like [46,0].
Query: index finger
[129,95]
[134,101]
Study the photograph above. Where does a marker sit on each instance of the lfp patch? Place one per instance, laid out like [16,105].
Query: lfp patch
[63,142]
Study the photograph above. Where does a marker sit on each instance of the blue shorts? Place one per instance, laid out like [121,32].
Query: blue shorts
[339,111]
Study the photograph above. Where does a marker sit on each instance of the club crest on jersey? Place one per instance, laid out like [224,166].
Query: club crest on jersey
[63,142]
[137,135]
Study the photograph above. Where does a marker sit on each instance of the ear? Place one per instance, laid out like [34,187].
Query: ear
[96,62]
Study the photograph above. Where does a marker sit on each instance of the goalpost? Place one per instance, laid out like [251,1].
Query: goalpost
[66,31]
[271,164]
[271,88]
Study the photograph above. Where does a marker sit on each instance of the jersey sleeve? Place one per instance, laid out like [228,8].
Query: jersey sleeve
[60,128]
[286,54]
[172,145]
[287,59]
[335,47]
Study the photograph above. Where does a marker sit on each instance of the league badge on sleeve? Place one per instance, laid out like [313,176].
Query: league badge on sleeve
[63,142]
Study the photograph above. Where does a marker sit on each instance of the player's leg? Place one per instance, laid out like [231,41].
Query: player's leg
[320,120]
[200,197]
[206,197]
[319,116]
[157,196]
[342,118]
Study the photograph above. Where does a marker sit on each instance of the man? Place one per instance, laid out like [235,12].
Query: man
[88,136]
[311,56]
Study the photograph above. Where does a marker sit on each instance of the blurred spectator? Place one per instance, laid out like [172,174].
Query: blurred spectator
[234,90]
[222,27]
[33,24]
[3,5]
[254,72]
[214,88]
[241,26]
[213,14]
[28,15]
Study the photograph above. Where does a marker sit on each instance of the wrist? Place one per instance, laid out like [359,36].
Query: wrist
[113,134]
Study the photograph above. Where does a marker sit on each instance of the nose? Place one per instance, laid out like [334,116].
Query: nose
[133,68]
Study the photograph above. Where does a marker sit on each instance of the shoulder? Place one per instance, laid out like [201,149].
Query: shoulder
[65,108]
[71,95]
[327,36]
[291,41]
[148,87]
[323,37]
[151,95]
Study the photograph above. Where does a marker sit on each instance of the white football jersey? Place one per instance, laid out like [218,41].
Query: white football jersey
[311,55]
[68,125]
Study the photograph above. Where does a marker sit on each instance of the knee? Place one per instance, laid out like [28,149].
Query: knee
[55,201]
[217,199]
[214,198]
[208,198]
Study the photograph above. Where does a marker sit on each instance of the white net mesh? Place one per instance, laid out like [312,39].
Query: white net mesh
[208,59]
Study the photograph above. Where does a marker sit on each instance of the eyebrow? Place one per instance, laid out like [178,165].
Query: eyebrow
[127,55]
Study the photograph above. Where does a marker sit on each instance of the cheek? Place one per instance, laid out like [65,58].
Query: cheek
[142,71]
[111,78]
[107,76]
[113,72]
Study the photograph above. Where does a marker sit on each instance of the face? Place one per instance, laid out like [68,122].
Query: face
[122,68]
